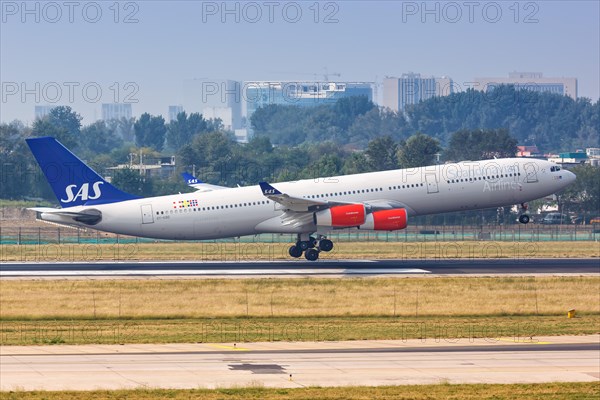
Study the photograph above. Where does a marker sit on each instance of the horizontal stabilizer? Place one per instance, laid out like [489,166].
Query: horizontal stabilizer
[62,216]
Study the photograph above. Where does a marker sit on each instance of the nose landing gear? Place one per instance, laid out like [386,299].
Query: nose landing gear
[523,216]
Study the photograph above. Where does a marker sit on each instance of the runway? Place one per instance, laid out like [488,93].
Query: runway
[302,268]
[300,364]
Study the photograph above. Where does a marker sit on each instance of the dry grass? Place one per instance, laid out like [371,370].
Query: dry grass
[546,391]
[224,310]
[449,330]
[308,297]
[278,251]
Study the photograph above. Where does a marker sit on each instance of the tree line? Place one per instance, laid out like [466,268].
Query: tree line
[552,122]
[351,136]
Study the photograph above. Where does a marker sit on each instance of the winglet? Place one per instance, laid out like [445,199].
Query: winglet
[268,190]
[190,179]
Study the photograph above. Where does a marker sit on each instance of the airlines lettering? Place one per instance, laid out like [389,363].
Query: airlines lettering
[82,193]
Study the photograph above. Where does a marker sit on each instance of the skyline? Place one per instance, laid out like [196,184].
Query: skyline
[149,60]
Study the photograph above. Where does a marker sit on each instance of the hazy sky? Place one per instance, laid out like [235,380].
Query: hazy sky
[85,53]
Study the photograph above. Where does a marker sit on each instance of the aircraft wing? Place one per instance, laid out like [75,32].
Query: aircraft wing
[298,204]
[301,204]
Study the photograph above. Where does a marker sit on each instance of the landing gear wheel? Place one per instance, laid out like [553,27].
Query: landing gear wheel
[311,254]
[303,245]
[295,251]
[325,244]
[524,219]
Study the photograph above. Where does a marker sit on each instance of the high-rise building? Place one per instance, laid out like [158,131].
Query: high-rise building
[174,111]
[533,81]
[412,88]
[203,95]
[42,111]
[301,93]
[112,111]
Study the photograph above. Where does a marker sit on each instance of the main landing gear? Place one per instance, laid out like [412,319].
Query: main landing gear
[523,216]
[310,246]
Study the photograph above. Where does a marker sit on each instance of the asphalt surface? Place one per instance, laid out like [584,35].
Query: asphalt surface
[300,364]
[297,267]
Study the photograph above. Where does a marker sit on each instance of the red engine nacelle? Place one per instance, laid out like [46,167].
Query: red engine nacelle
[386,220]
[341,216]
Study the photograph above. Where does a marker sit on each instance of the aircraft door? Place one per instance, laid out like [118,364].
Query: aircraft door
[432,183]
[531,173]
[147,215]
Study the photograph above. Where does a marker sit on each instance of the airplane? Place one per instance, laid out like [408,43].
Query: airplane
[197,184]
[309,208]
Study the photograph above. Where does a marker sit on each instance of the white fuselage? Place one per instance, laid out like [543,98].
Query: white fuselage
[246,211]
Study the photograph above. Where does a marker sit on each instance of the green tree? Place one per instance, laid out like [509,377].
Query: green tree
[123,128]
[181,130]
[419,150]
[99,137]
[584,194]
[62,123]
[260,145]
[348,108]
[131,181]
[356,163]
[382,154]
[480,144]
[20,175]
[150,131]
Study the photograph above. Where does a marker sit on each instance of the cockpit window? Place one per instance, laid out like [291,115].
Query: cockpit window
[554,169]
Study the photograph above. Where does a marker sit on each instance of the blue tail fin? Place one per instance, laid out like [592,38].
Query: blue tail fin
[73,182]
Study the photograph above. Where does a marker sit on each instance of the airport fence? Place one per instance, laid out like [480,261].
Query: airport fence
[413,233]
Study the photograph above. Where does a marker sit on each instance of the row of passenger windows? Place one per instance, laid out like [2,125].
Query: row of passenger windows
[483,178]
[372,190]
[319,196]
[210,208]
[312,196]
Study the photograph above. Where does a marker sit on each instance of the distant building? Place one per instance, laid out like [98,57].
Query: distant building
[241,135]
[528,151]
[301,93]
[42,111]
[533,81]
[593,154]
[413,88]
[205,94]
[225,114]
[112,111]
[569,158]
[174,111]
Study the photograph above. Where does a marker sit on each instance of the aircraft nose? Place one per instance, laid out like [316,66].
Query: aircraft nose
[570,177]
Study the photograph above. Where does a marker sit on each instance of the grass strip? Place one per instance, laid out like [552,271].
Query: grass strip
[222,251]
[303,297]
[545,391]
[449,330]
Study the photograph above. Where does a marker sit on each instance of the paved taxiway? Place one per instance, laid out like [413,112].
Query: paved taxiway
[284,364]
[299,267]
